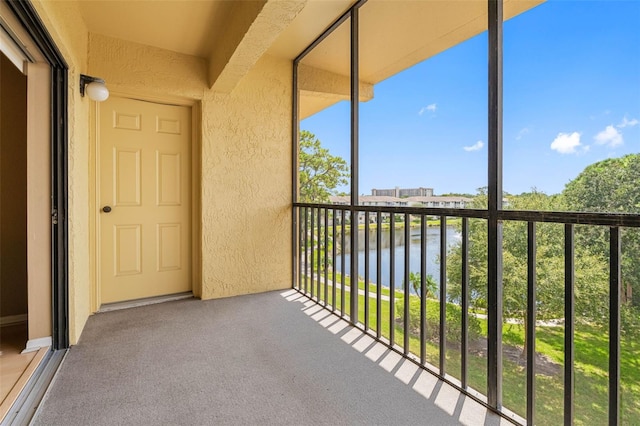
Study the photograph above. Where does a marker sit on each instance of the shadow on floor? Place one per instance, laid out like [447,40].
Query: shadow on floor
[271,358]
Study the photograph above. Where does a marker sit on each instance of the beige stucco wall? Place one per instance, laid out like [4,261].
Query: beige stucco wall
[245,139]
[246,194]
[245,152]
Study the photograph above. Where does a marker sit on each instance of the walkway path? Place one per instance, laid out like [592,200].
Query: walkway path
[372,294]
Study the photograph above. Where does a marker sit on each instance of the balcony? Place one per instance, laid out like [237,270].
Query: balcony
[271,358]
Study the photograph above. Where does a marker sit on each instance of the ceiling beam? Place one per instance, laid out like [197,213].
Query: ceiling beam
[252,26]
[320,89]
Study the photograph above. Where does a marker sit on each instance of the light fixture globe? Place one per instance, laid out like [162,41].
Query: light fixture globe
[94,87]
[97,91]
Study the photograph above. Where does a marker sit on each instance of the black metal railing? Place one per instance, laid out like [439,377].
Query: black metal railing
[320,272]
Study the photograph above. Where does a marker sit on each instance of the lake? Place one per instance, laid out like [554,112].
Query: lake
[398,247]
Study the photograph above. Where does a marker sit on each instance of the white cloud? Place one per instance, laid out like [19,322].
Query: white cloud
[429,108]
[627,123]
[566,143]
[522,132]
[475,147]
[609,136]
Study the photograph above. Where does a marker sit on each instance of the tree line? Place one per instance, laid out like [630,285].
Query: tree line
[609,186]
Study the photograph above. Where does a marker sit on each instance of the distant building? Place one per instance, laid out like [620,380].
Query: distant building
[415,192]
[389,201]
[441,202]
[340,199]
[403,192]
[382,200]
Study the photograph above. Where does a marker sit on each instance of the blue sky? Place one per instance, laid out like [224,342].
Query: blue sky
[571,98]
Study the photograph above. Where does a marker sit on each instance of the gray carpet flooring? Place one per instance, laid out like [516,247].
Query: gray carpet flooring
[271,358]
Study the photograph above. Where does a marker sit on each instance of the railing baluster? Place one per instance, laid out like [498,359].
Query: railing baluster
[334,260]
[312,264]
[531,322]
[300,247]
[326,256]
[306,250]
[465,301]
[318,257]
[569,327]
[366,270]
[615,255]
[407,259]
[353,300]
[378,274]
[423,289]
[443,294]
[295,247]
[342,264]
[392,280]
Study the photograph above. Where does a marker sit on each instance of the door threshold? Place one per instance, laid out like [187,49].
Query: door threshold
[27,403]
[21,382]
[108,307]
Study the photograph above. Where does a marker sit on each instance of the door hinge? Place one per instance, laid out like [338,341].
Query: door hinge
[54,217]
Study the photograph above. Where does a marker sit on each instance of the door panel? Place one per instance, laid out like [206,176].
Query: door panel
[126,171]
[145,178]
[168,183]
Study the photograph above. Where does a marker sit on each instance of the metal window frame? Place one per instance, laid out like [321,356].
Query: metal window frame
[494,234]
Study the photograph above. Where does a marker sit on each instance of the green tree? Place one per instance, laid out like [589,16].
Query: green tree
[590,269]
[415,280]
[611,186]
[320,172]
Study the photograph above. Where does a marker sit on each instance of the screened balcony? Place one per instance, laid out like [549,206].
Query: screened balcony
[519,308]
[523,301]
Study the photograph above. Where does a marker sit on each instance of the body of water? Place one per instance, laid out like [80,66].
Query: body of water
[398,247]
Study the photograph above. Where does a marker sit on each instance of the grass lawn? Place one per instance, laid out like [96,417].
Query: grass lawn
[591,363]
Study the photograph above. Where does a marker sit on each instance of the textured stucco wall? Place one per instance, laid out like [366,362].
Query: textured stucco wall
[136,68]
[245,154]
[246,174]
[63,21]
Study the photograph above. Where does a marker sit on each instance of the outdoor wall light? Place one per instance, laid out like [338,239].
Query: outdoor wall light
[94,88]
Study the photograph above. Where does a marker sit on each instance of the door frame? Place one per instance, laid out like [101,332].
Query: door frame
[94,202]
[33,25]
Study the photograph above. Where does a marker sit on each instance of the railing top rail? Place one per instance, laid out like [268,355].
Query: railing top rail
[427,211]
[577,218]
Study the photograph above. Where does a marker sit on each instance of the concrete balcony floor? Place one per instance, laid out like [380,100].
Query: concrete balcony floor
[271,358]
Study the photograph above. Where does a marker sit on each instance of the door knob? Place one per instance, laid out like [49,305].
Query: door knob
[106,209]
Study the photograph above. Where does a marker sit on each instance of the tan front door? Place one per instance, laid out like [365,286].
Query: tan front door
[145,199]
